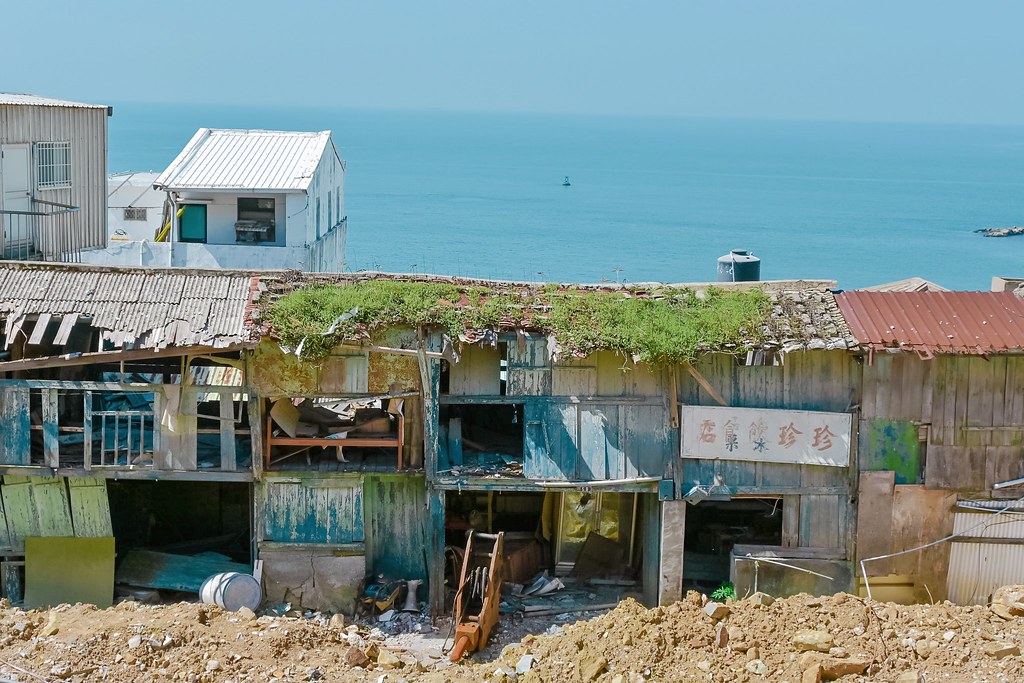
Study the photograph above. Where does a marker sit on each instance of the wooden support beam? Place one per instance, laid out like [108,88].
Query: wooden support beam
[118,356]
[705,384]
[673,398]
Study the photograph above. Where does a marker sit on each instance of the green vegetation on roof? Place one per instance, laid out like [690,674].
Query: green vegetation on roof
[669,325]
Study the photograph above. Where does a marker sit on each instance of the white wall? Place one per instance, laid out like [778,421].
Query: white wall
[222,213]
[133,190]
[328,188]
[230,256]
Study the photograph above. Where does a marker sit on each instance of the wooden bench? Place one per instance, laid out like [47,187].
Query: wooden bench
[396,441]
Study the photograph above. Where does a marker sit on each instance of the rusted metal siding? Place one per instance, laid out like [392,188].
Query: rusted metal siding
[936,322]
[85,127]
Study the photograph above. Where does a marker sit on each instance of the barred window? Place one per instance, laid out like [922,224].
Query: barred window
[53,165]
[132,213]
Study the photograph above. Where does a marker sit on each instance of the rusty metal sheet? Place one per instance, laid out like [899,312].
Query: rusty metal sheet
[936,322]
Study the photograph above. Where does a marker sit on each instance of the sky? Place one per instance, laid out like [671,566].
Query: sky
[934,61]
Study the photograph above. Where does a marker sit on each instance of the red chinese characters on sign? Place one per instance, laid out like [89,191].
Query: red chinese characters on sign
[822,438]
[788,434]
[707,431]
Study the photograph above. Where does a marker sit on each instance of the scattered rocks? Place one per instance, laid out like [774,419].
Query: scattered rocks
[760,599]
[590,669]
[716,610]
[213,665]
[355,657]
[757,667]
[819,641]
[1000,649]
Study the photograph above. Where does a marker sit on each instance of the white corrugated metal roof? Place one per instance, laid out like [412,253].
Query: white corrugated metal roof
[220,159]
[36,100]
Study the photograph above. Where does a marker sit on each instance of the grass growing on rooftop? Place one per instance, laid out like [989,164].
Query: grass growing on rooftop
[670,328]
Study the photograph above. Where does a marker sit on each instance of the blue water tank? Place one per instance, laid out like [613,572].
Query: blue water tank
[739,265]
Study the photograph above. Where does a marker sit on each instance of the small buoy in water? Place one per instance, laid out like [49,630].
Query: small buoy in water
[566,183]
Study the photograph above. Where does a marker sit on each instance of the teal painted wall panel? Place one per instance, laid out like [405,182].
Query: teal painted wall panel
[397,520]
[891,445]
[297,512]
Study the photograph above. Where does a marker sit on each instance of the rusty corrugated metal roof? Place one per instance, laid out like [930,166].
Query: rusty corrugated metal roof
[133,308]
[936,322]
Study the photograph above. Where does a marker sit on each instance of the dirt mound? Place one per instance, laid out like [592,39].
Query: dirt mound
[800,639]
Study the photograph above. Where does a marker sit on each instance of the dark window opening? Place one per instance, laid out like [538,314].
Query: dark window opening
[714,527]
[182,518]
[192,224]
[484,438]
[256,220]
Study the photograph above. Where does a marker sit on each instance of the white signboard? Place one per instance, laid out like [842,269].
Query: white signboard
[792,436]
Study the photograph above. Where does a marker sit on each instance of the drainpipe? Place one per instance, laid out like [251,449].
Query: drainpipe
[174,229]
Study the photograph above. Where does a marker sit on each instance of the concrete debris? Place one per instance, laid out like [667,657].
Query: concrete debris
[1000,649]
[716,610]
[524,664]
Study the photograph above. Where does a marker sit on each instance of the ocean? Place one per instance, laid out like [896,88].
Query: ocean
[481,195]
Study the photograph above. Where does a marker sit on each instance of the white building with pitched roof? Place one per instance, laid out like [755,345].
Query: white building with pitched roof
[246,199]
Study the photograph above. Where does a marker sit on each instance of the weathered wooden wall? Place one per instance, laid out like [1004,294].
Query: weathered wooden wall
[817,511]
[971,408]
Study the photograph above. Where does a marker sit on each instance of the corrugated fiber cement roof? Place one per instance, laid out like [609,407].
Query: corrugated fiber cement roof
[8,98]
[936,322]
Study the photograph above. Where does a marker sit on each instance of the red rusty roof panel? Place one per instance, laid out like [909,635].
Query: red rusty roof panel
[936,322]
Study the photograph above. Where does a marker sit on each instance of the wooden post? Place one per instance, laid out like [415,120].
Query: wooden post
[435,497]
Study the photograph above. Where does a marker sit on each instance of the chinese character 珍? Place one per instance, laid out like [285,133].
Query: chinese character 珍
[822,438]
[787,435]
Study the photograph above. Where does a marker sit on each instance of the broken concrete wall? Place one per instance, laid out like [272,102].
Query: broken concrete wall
[313,576]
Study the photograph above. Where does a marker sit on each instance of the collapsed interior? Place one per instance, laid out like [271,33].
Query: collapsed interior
[713,527]
[562,550]
[483,439]
[165,530]
[333,434]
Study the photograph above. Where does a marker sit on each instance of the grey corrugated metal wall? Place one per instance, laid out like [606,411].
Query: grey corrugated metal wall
[86,130]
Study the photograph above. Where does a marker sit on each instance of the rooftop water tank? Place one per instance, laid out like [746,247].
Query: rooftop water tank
[739,265]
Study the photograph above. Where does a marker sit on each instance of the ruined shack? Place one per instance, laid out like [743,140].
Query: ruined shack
[330,432]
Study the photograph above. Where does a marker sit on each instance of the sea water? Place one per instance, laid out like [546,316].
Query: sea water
[481,195]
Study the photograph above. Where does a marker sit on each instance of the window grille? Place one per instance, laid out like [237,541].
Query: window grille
[132,213]
[53,165]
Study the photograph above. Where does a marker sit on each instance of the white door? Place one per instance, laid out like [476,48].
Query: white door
[16,195]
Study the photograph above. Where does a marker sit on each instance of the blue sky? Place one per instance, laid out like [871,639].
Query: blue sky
[869,60]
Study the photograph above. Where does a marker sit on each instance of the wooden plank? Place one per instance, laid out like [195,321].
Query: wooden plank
[39,331]
[998,390]
[820,521]
[868,389]
[164,571]
[649,443]
[874,519]
[455,441]
[67,323]
[478,372]
[791,521]
[669,542]
[69,360]
[16,444]
[955,468]
[227,431]
[22,521]
[885,386]
[528,382]
[51,448]
[962,400]
[927,385]
[705,385]
[90,508]
[1003,463]
[980,388]
[52,508]
[396,528]
[599,443]
[87,429]
[299,513]
[573,381]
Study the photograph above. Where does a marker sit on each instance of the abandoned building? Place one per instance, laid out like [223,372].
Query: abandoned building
[324,430]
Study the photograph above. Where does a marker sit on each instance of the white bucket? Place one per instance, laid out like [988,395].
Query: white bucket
[232,591]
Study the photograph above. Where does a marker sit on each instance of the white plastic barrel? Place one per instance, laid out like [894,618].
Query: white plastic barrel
[232,591]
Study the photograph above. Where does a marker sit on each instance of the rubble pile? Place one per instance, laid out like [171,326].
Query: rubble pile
[801,639]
